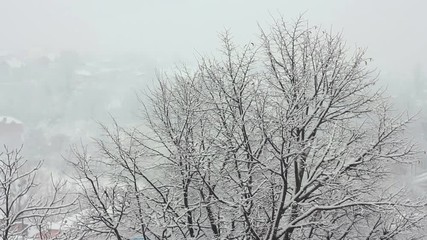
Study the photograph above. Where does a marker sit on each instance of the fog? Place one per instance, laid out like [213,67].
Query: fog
[49,49]
[287,143]
[392,30]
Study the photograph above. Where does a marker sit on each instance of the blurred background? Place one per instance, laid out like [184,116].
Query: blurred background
[65,66]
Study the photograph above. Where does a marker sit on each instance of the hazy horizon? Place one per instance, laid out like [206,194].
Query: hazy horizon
[124,43]
[175,31]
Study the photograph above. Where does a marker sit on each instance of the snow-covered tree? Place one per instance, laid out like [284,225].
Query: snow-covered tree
[25,203]
[288,138]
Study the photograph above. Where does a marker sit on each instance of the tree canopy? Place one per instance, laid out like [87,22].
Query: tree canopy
[285,138]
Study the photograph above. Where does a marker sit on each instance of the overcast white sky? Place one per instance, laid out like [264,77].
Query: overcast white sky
[393,31]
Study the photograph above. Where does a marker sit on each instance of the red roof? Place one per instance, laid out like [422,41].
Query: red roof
[48,234]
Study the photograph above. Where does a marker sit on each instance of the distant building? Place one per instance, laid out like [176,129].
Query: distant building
[18,231]
[11,132]
[48,234]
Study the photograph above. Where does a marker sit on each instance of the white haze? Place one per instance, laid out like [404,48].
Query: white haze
[132,38]
[174,30]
